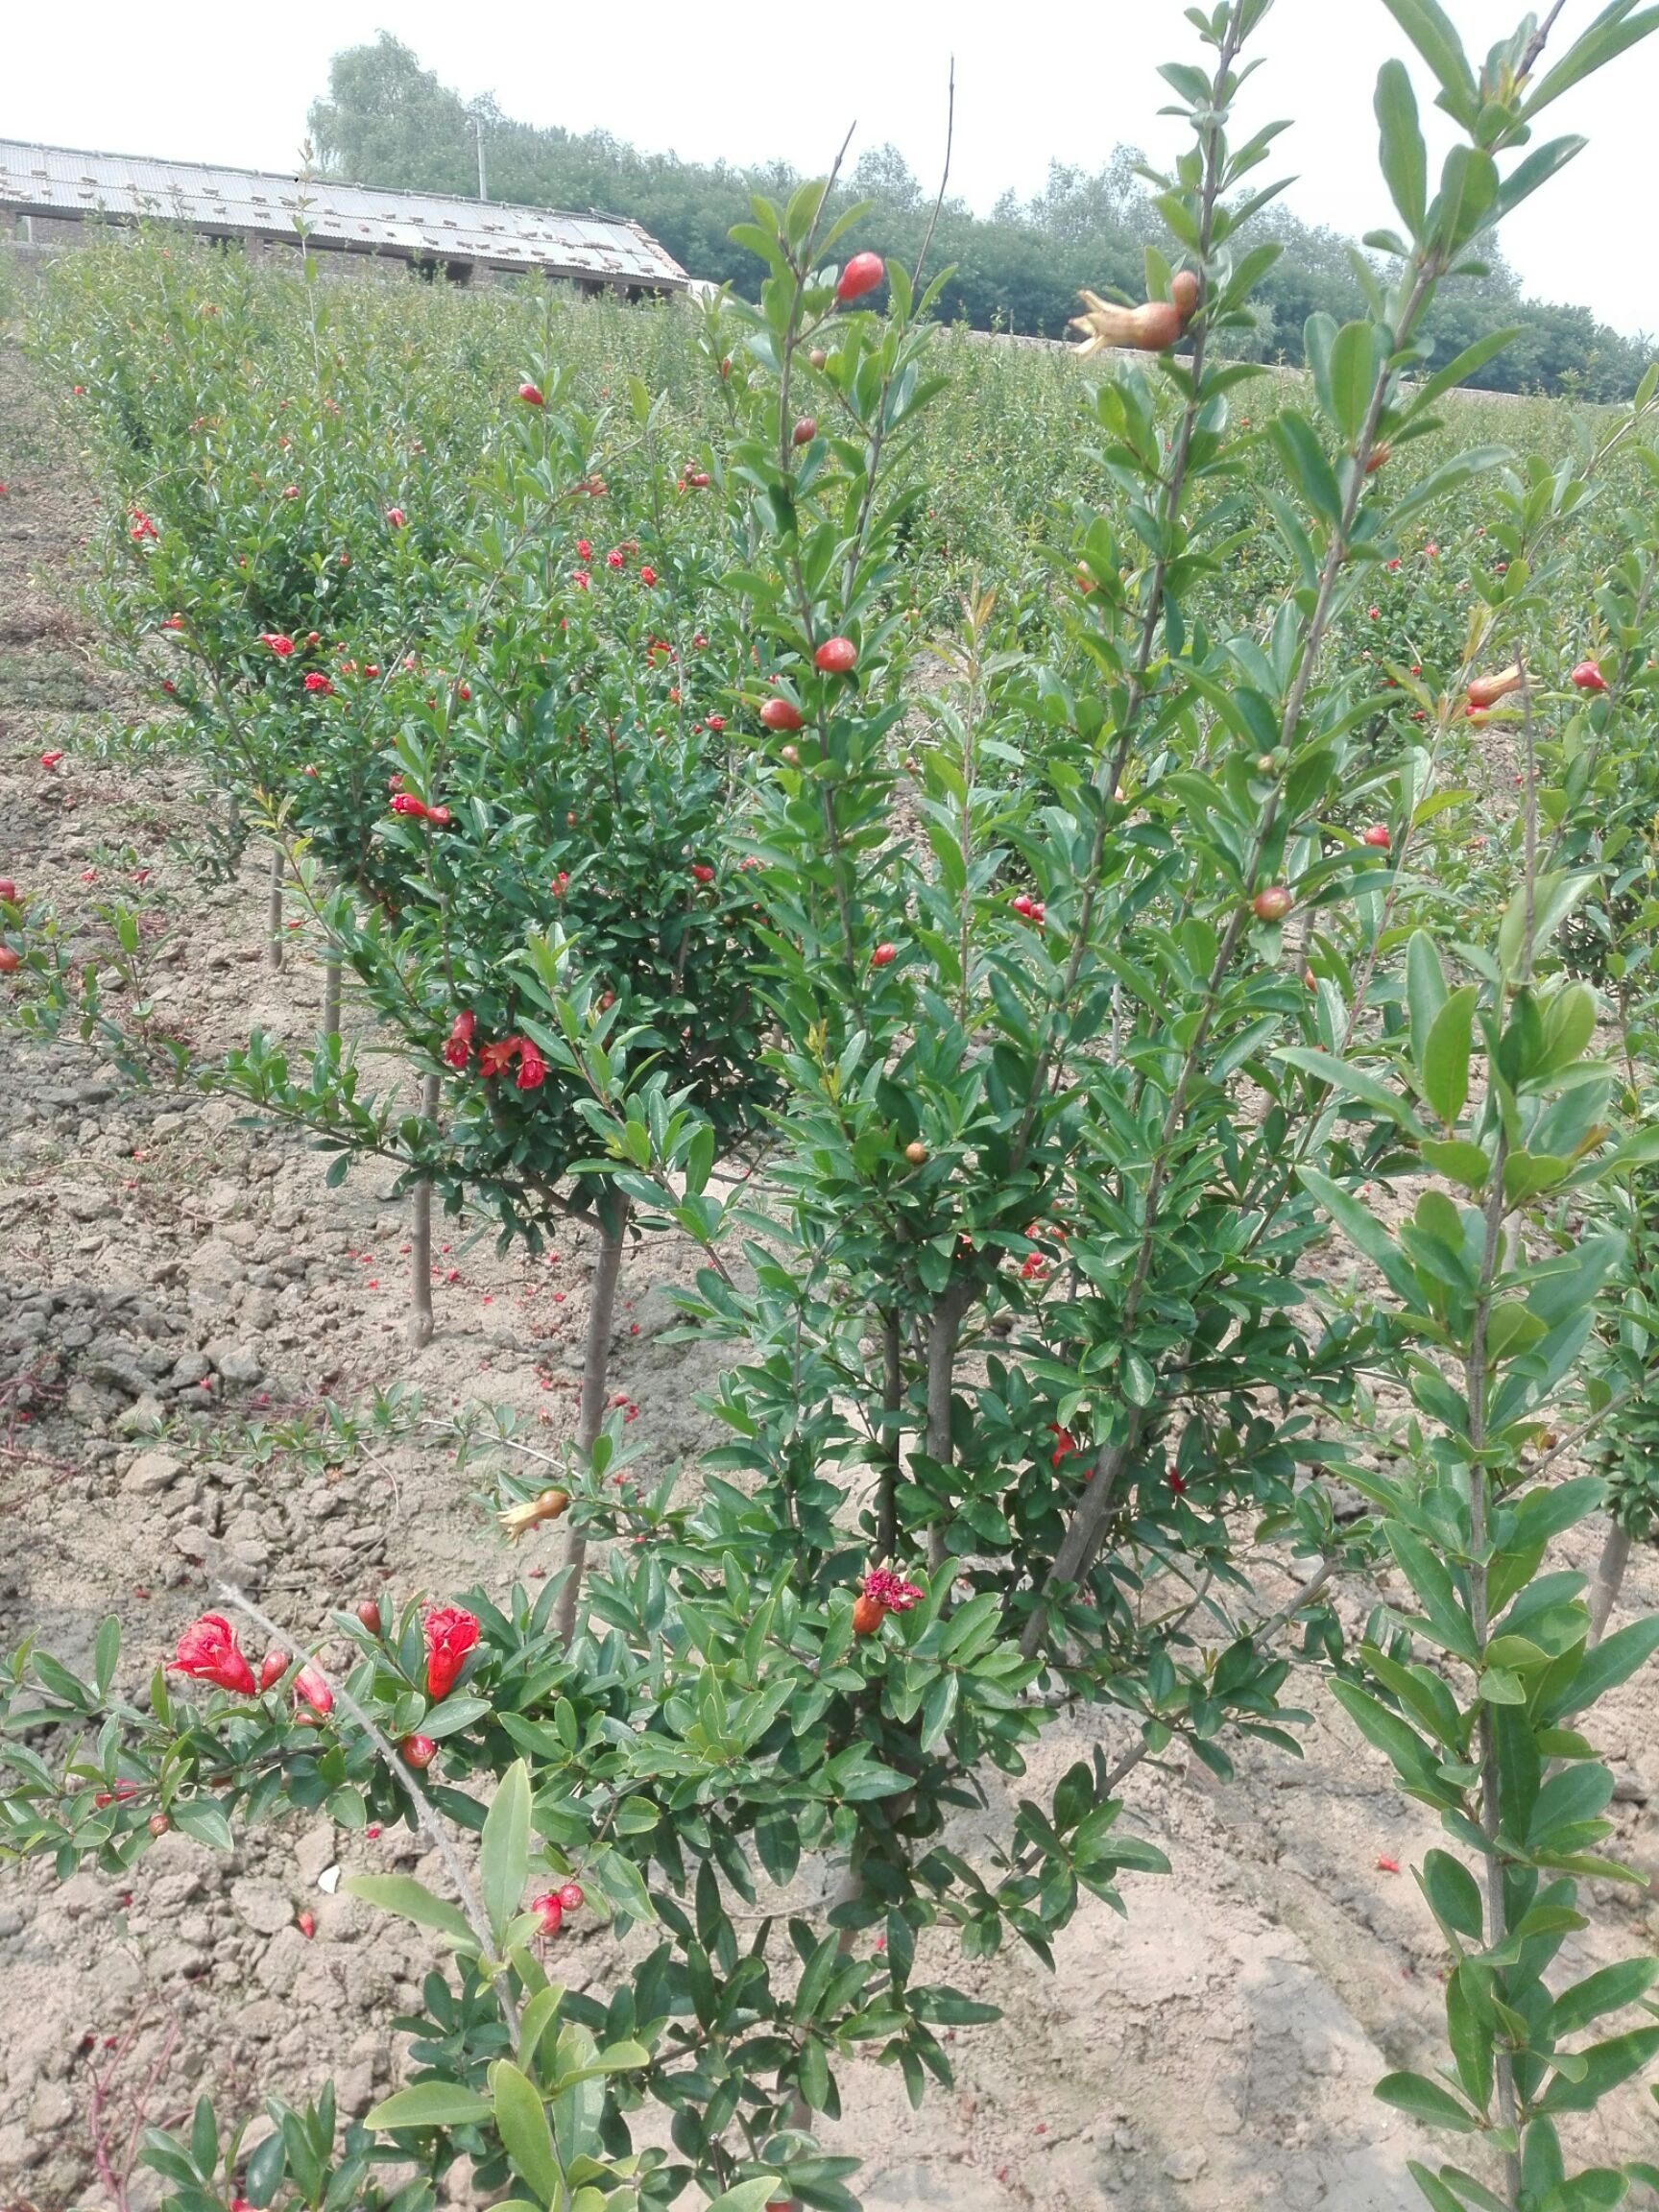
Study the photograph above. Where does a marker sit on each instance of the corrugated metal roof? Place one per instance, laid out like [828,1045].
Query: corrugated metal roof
[60,180]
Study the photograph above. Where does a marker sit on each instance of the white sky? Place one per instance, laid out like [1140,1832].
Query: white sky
[747,80]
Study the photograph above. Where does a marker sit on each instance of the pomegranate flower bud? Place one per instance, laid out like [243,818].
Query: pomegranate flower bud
[570,1897]
[395,516]
[208,1652]
[552,1911]
[273,1669]
[458,1046]
[406,802]
[531,394]
[532,1068]
[450,1634]
[309,1684]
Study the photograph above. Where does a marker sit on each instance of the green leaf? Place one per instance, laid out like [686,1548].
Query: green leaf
[1445,1069]
[1364,1232]
[201,1817]
[106,1653]
[1455,1894]
[1424,987]
[433,2104]
[1405,159]
[1605,2066]
[1354,364]
[1430,30]
[1342,1075]
[1410,1757]
[1614,1660]
[748,2196]
[1431,1579]
[412,1900]
[1425,2100]
[1602,43]
[504,1849]
[1609,1990]
[521,2123]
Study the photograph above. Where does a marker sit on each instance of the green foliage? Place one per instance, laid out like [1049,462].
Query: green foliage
[1073,972]
[387,121]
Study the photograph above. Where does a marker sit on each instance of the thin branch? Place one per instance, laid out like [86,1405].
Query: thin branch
[944,175]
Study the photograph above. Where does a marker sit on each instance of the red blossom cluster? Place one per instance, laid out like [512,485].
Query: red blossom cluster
[496,1057]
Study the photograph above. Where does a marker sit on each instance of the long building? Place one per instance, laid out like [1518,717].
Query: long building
[52,196]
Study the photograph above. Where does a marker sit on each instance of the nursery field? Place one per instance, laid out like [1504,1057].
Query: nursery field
[827,1235]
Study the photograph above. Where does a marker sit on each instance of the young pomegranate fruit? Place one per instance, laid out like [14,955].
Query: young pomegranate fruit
[1273,904]
[836,657]
[781,714]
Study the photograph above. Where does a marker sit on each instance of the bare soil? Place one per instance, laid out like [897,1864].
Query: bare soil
[168,1275]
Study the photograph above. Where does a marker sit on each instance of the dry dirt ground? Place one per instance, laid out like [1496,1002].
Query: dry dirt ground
[1214,2053]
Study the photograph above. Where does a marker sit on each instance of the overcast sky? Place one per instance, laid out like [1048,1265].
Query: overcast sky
[748,80]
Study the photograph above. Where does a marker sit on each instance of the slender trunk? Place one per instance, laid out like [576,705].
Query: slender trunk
[421,1227]
[331,996]
[1608,1576]
[1086,1531]
[595,1370]
[892,1400]
[942,1339]
[847,1889]
[274,911]
[1476,1376]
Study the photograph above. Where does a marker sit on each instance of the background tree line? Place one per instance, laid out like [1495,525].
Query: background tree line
[388,121]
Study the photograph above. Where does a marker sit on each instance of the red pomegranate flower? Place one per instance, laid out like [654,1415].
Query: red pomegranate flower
[395,516]
[496,1057]
[648,576]
[450,1634]
[208,1652]
[890,1591]
[279,645]
[614,557]
[532,1068]
[142,526]
[702,871]
[531,394]
[315,682]
[458,1046]
[406,802]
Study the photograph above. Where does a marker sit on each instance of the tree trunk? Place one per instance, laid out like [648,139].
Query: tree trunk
[421,1227]
[892,1401]
[331,996]
[274,911]
[942,1340]
[1608,1576]
[595,1373]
